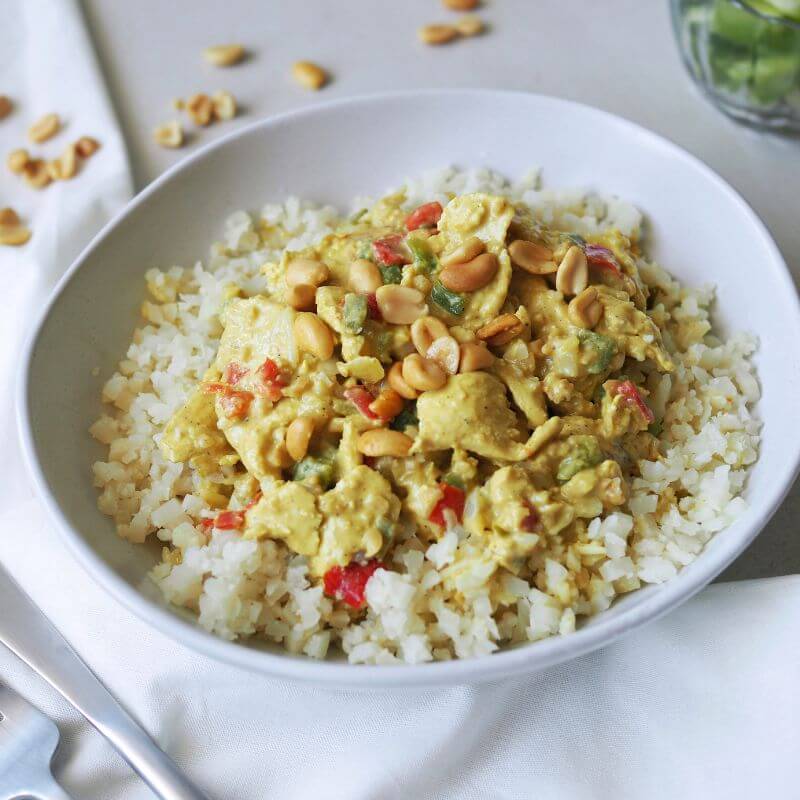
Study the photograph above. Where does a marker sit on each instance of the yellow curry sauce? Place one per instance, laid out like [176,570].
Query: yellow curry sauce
[408,365]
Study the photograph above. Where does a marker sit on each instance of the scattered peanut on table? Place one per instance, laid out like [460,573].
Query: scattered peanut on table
[309,75]
[224,55]
[170,134]
[12,232]
[44,128]
[5,106]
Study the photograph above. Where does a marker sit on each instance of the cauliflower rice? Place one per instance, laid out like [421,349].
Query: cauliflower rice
[241,588]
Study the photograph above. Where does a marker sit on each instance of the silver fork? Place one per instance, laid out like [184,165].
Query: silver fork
[26,631]
[28,740]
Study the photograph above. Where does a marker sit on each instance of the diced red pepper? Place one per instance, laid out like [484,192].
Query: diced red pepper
[236,403]
[628,390]
[361,399]
[532,521]
[216,388]
[373,309]
[426,216]
[272,382]
[602,257]
[349,583]
[255,499]
[207,523]
[269,370]
[390,250]
[229,520]
[452,498]
[234,373]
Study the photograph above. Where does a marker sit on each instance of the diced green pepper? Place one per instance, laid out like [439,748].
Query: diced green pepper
[604,348]
[408,416]
[575,239]
[391,273]
[585,453]
[450,301]
[314,470]
[453,480]
[424,259]
[354,312]
[656,428]
[365,251]
[358,215]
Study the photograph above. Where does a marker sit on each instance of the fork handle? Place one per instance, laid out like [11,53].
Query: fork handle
[26,631]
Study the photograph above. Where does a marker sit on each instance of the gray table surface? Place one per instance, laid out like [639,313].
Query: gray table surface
[618,55]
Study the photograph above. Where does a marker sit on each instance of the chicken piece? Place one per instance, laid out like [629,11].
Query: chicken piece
[286,511]
[356,512]
[192,434]
[487,217]
[471,412]
[525,388]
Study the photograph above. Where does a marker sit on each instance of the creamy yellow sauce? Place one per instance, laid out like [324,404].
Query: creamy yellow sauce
[541,438]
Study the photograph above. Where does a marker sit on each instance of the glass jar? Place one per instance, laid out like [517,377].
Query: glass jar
[745,55]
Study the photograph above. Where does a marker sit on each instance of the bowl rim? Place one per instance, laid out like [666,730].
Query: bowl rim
[529,658]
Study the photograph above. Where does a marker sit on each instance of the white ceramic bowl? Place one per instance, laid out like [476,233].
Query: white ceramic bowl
[700,229]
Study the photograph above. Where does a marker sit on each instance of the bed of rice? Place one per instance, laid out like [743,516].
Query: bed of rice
[244,588]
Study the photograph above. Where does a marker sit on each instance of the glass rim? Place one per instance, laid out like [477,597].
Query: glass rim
[774,18]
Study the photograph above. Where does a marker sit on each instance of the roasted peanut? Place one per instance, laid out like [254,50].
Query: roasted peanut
[585,309]
[301,297]
[400,305]
[475,356]
[461,5]
[8,217]
[36,173]
[224,105]
[388,404]
[470,276]
[501,330]
[86,146]
[383,442]
[437,34]
[309,75]
[308,271]
[224,55]
[398,382]
[423,374]
[573,272]
[532,257]
[466,251]
[170,134]
[16,161]
[44,128]
[200,108]
[446,353]
[470,25]
[5,106]
[298,435]
[365,277]
[14,235]
[313,336]
[425,331]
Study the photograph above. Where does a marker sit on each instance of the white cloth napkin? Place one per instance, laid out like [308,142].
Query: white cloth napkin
[701,704]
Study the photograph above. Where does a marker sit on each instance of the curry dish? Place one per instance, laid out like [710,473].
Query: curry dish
[460,419]
[407,362]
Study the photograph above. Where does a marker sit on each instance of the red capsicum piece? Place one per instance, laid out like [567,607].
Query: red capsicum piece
[426,216]
[349,583]
[234,373]
[452,498]
[602,257]
[229,520]
[628,390]
[390,250]
[361,399]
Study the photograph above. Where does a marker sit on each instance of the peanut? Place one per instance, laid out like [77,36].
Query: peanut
[573,272]
[461,5]
[532,257]
[308,271]
[313,336]
[472,275]
[44,128]
[200,108]
[5,106]
[36,173]
[437,34]
[388,404]
[382,442]
[398,382]
[365,277]
[298,435]
[170,134]
[585,309]
[475,356]
[17,159]
[446,353]
[309,75]
[466,251]
[400,305]
[501,330]
[470,26]
[224,105]
[425,331]
[423,374]
[86,146]
[301,297]
[224,55]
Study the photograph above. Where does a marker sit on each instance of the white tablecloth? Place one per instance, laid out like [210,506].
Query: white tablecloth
[701,704]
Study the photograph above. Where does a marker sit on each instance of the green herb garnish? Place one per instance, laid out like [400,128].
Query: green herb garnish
[314,470]
[354,312]
[450,301]
[358,215]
